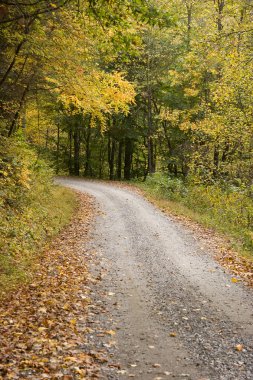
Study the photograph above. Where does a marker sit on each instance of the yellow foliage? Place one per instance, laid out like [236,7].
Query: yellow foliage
[191,92]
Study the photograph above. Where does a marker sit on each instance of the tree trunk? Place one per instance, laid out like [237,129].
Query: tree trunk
[76,150]
[221,5]
[70,152]
[18,48]
[189,25]
[128,158]
[17,51]
[87,169]
[216,154]
[111,155]
[58,150]
[119,163]
[16,116]
[151,161]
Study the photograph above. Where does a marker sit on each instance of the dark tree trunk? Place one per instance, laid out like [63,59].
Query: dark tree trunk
[111,155]
[16,116]
[17,50]
[221,5]
[76,150]
[119,163]
[128,158]
[151,156]
[216,153]
[151,160]
[58,150]
[70,152]
[189,25]
[87,169]
[101,162]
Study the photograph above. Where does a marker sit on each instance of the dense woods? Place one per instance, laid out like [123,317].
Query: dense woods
[125,89]
[122,89]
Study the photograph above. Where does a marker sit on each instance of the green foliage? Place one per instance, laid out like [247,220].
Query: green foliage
[32,210]
[167,187]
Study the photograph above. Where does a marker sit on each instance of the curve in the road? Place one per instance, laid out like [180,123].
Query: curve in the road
[180,315]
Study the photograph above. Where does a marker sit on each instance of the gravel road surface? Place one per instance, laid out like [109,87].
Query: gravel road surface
[176,313]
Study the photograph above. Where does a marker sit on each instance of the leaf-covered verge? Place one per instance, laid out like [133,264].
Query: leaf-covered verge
[220,218]
[32,210]
[43,325]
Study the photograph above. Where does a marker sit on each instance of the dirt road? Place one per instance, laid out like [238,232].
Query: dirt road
[175,311]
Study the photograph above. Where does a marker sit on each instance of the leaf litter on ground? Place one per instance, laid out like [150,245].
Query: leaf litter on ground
[43,325]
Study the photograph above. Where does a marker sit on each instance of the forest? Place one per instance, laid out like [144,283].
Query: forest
[157,92]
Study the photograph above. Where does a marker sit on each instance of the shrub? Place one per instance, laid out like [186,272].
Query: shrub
[32,209]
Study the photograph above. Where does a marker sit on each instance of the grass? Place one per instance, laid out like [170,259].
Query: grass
[26,234]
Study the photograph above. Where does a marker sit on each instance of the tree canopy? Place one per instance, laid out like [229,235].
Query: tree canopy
[125,88]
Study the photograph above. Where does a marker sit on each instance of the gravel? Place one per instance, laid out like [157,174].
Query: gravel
[175,311]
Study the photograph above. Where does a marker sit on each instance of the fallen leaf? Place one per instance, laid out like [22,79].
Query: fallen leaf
[239,347]
[42,310]
[110,332]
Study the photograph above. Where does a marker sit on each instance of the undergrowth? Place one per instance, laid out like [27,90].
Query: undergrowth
[228,210]
[32,211]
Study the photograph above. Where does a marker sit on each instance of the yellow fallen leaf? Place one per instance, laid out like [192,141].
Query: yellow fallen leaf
[73,321]
[239,347]
[234,279]
[110,332]
[41,329]
[173,334]
[42,310]
[70,358]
